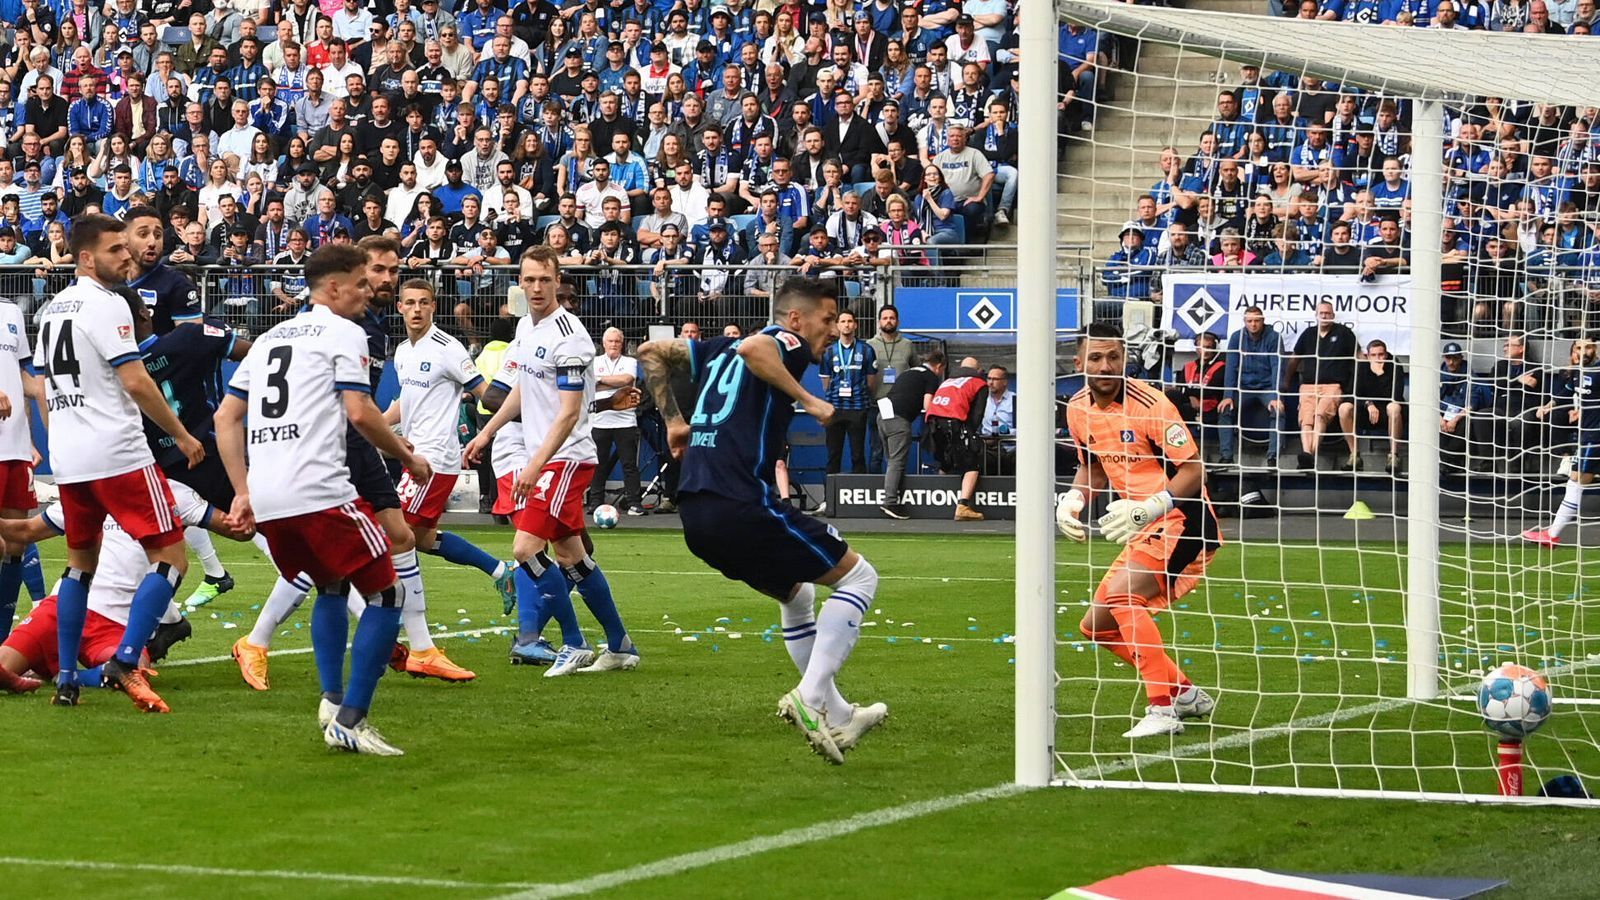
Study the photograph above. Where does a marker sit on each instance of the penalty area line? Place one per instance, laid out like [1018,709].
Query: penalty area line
[794,837]
[89,865]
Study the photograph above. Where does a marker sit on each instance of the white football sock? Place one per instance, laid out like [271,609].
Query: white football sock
[838,627]
[355,603]
[1567,512]
[285,598]
[798,615]
[260,540]
[199,541]
[172,616]
[414,607]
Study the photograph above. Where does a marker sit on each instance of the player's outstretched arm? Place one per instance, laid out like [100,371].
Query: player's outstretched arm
[142,388]
[366,418]
[21,532]
[228,421]
[766,363]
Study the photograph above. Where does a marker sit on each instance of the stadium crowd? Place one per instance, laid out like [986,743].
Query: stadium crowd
[635,137]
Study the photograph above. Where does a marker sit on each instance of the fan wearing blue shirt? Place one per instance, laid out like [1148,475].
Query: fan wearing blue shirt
[849,371]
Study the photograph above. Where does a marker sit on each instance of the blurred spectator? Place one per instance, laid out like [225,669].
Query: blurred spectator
[1376,406]
[849,372]
[1519,393]
[1127,274]
[909,398]
[1197,393]
[1253,368]
[1465,423]
[1322,365]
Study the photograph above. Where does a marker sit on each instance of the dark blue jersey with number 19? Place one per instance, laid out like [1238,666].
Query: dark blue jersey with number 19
[739,423]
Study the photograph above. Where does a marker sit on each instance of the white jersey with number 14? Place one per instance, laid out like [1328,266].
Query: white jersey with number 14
[96,432]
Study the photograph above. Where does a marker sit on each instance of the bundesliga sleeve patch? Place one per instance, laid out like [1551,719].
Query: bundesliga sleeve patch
[1177,435]
[214,331]
[789,341]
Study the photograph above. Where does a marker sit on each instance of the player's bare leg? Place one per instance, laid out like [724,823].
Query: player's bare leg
[831,724]
[14,677]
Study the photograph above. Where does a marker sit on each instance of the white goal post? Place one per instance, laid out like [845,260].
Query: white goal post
[1427,708]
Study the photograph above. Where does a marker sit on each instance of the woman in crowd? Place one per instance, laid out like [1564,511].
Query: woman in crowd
[294,154]
[263,160]
[786,46]
[534,172]
[217,186]
[572,170]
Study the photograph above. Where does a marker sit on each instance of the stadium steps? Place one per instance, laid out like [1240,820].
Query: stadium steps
[1102,175]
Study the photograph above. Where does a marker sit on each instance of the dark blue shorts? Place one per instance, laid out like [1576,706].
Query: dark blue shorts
[771,547]
[369,474]
[1587,460]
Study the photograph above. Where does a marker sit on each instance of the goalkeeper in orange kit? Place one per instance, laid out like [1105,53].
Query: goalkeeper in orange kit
[1131,439]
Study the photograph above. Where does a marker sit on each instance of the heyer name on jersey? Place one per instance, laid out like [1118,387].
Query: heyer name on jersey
[290,432]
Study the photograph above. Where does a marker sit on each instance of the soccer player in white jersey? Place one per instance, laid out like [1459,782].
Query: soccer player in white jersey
[32,646]
[303,380]
[549,381]
[433,369]
[95,387]
[16,448]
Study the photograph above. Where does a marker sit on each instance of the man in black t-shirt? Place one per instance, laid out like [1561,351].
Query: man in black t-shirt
[909,398]
[1325,359]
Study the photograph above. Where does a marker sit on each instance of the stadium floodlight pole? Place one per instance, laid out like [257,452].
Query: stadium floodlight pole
[1036,398]
[1422,495]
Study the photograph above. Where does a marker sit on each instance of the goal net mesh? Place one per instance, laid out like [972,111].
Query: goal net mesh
[1214,162]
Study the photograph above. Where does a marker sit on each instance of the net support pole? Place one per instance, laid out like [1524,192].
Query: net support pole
[1036,398]
[1422,495]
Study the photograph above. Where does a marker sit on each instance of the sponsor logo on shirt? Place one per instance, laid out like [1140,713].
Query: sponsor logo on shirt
[427,367]
[1177,435]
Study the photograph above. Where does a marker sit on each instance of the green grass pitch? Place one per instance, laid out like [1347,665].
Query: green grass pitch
[653,782]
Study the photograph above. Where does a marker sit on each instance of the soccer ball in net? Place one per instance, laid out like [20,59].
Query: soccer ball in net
[605,516]
[1514,701]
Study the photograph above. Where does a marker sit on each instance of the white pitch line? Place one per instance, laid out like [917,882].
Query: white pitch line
[794,837]
[288,875]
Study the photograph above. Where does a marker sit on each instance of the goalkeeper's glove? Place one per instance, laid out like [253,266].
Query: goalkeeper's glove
[1067,520]
[1126,518]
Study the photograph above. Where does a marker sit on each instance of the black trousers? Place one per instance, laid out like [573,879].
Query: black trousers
[609,444]
[851,422]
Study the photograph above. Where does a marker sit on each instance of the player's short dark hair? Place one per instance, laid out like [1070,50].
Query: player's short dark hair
[541,253]
[804,293]
[933,357]
[1102,331]
[142,211]
[87,229]
[419,284]
[374,244]
[334,259]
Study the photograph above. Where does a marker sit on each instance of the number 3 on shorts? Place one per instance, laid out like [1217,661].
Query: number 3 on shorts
[543,484]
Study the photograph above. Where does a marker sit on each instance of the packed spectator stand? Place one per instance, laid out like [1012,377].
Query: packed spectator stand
[1296,175]
[682,155]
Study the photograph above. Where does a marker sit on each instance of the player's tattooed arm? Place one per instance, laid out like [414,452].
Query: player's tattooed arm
[661,361]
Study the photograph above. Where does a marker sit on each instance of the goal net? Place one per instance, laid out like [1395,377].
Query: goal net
[1387,483]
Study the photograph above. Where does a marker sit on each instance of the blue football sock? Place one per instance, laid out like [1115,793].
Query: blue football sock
[33,573]
[530,608]
[148,606]
[552,587]
[369,654]
[92,677]
[10,586]
[72,608]
[596,592]
[330,628]
[457,549]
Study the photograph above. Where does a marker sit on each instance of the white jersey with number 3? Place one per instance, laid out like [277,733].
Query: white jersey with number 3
[16,440]
[123,564]
[433,372]
[85,333]
[548,360]
[293,381]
